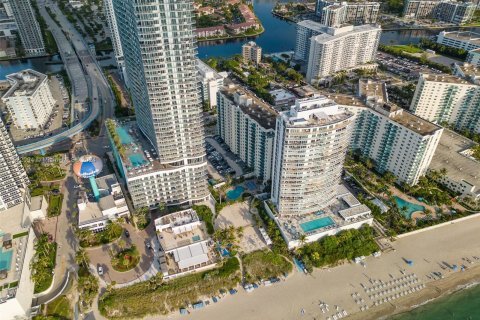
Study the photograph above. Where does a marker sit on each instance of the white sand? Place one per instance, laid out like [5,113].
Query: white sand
[334,286]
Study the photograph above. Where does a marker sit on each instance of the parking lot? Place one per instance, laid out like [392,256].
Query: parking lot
[57,121]
[222,161]
[403,67]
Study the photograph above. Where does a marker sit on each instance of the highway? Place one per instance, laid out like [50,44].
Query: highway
[85,74]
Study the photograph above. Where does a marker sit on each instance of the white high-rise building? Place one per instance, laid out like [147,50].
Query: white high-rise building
[115,36]
[311,141]
[28,27]
[29,100]
[340,49]
[449,99]
[247,125]
[210,82]
[159,49]
[306,29]
[13,177]
[396,140]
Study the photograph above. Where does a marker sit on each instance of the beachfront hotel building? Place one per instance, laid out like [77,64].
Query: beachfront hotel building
[28,27]
[334,13]
[311,141]
[115,36]
[466,40]
[210,82]
[449,99]
[29,100]
[13,178]
[159,49]
[339,49]
[247,125]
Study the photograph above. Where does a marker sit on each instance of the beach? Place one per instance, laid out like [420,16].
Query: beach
[446,245]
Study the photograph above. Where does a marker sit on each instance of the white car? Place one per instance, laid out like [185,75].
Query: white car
[100,270]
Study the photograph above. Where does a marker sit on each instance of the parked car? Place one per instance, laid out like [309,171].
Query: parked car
[100,270]
[127,234]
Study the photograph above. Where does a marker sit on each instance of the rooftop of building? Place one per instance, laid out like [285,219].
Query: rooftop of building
[260,111]
[24,83]
[36,202]
[281,94]
[178,218]
[444,78]
[318,110]
[335,33]
[206,71]
[373,89]
[467,70]
[90,213]
[138,155]
[466,36]
[449,155]
[106,182]
[395,113]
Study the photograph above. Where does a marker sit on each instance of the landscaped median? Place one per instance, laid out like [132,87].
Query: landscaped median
[142,299]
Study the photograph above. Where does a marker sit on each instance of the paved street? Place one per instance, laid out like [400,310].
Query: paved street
[100,256]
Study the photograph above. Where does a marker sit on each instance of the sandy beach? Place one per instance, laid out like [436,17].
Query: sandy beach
[335,287]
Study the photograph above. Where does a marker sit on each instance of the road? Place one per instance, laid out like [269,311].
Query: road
[84,72]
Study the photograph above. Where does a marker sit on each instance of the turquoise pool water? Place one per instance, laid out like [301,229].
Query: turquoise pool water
[196,238]
[235,193]
[5,259]
[316,224]
[137,159]
[411,207]
[125,138]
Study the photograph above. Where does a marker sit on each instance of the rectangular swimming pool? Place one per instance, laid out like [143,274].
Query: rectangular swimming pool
[5,259]
[316,224]
[125,138]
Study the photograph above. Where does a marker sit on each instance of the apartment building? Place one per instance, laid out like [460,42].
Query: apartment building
[251,52]
[210,82]
[311,141]
[29,100]
[335,14]
[247,125]
[467,40]
[115,37]
[161,68]
[448,11]
[28,27]
[340,49]
[449,99]
[306,29]
[473,57]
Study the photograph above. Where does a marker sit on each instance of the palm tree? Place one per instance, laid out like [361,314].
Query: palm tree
[302,239]
[81,257]
[121,244]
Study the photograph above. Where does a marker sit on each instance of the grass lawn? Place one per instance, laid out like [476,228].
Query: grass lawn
[55,205]
[264,264]
[126,259]
[407,48]
[141,299]
[60,308]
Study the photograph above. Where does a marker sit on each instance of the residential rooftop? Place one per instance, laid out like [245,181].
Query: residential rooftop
[468,71]
[24,83]
[449,155]
[373,89]
[444,78]
[466,36]
[337,33]
[206,71]
[260,111]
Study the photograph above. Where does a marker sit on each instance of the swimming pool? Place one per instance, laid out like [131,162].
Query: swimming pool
[125,138]
[235,193]
[411,207]
[5,259]
[137,159]
[316,224]
[251,185]
[196,238]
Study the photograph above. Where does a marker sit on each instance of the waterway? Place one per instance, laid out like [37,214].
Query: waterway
[279,36]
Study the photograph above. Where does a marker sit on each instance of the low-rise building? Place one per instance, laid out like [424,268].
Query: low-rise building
[247,125]
[210,82]
[282,98]
[29,100]
[251,52]
[211,32]
[185,245]
[463,171]
[466,40]
[111,205]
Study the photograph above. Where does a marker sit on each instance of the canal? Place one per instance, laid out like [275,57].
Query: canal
[279,36]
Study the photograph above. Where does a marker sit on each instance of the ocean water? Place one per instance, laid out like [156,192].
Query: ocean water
[461,305]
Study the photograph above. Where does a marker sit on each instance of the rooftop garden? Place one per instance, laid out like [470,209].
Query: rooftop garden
[129,302]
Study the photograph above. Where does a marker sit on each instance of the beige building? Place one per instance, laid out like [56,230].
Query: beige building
[251,52]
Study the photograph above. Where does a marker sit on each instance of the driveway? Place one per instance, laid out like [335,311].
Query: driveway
[101,255]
